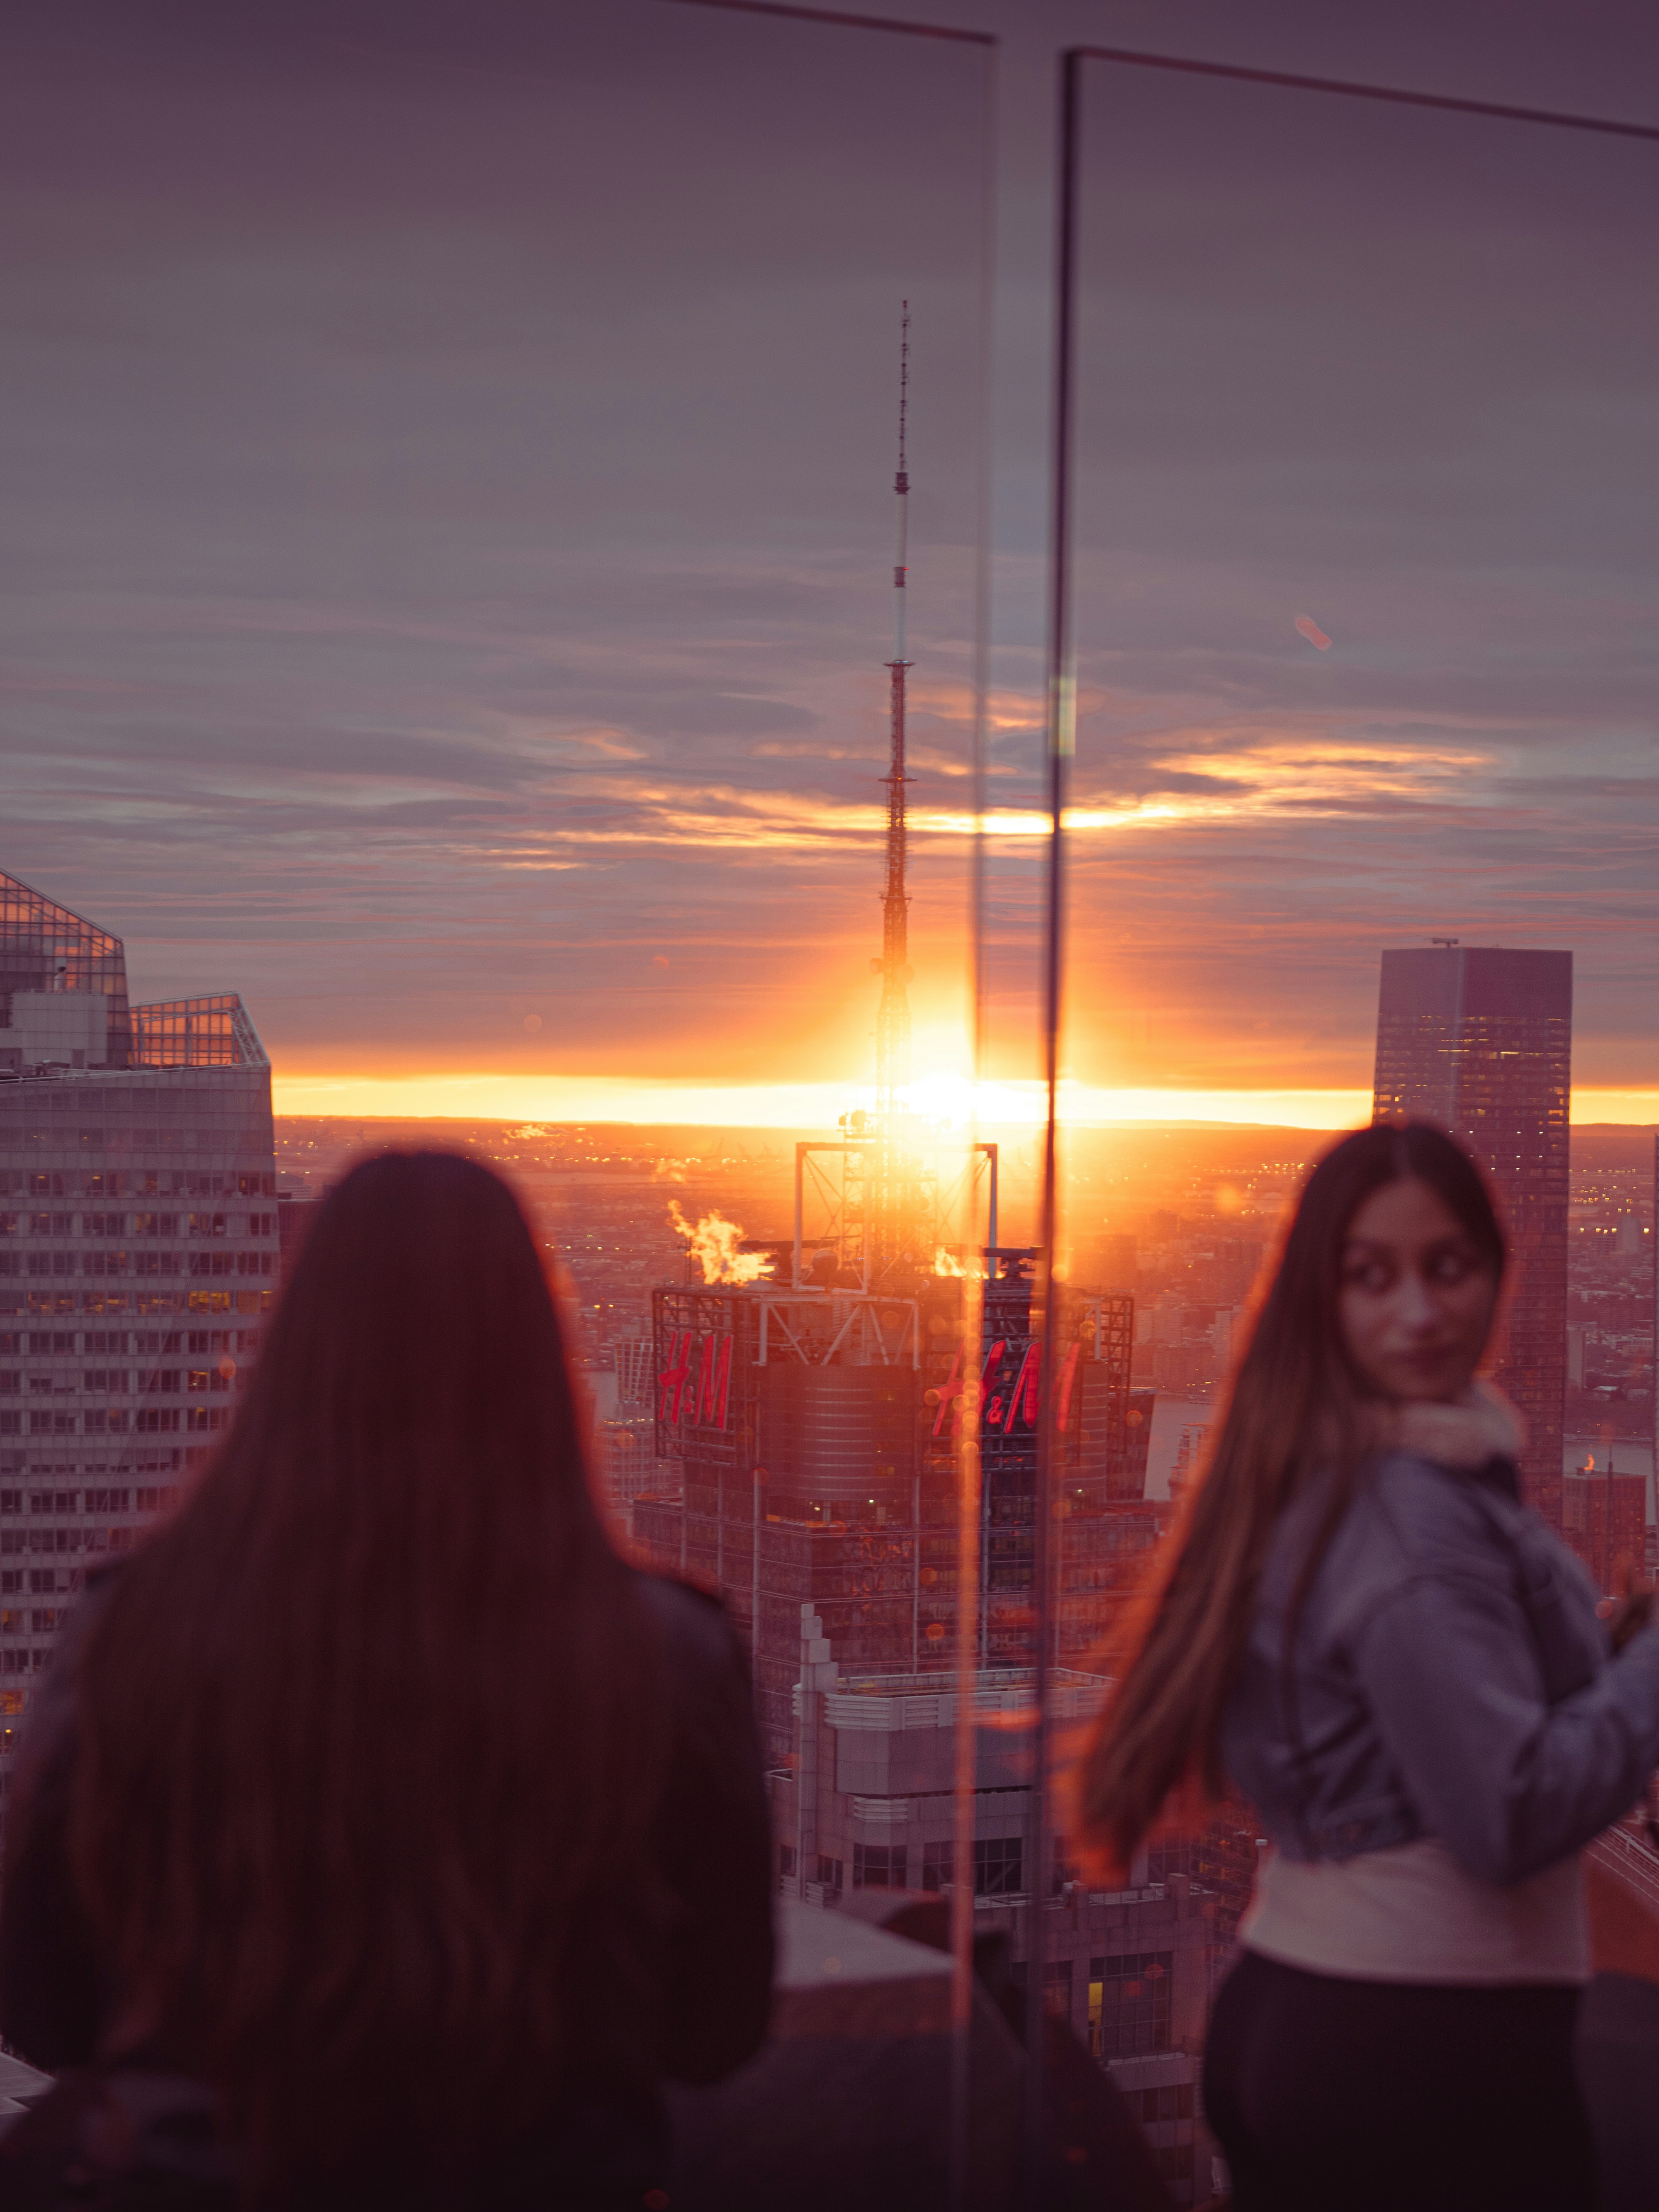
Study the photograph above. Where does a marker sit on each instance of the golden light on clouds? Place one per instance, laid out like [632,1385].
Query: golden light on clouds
[1214,775]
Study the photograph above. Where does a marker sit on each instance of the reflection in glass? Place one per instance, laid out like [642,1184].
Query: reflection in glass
[1364,539]
[450,448]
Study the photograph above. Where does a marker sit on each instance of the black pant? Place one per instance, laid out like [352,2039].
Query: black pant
[1340,2096]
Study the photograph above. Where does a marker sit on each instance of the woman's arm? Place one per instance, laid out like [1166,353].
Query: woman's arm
[1508,1782]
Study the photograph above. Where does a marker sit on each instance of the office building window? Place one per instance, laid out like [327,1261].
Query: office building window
[879,1865]
[999,1866]
[1172,2102]
[938,1865]
[1133,2014]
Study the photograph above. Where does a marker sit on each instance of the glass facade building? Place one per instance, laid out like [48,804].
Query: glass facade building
[62,985]
[138,1255]
[1478,1039]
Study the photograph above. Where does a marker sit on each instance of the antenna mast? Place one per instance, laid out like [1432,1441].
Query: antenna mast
[893,1016]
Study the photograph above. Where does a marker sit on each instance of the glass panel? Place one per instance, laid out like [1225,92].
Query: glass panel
[1368,458]
[451,453]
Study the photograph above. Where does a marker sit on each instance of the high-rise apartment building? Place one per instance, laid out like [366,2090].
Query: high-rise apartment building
[1478,1039]
[138,1255]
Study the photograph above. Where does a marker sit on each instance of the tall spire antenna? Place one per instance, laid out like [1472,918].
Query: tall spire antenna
[893,1016]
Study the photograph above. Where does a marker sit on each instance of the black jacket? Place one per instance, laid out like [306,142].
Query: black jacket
[708,1951]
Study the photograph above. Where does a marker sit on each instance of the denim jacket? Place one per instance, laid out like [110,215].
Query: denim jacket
[1451,1678]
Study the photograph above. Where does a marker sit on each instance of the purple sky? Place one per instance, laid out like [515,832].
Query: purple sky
[448,455]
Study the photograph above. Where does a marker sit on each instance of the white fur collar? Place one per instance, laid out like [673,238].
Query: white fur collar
[1478,1426]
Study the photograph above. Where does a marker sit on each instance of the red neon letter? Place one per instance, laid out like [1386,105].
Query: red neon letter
[1067,1378]
[701,1407]
[673,1376]
[951,1391]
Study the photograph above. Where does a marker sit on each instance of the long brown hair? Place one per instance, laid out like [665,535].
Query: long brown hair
[366,1736]
[1296,1405]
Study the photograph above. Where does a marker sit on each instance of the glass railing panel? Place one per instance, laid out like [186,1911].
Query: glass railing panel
[457,492]
[1364,467]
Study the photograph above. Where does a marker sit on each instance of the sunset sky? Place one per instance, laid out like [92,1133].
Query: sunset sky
[449,456]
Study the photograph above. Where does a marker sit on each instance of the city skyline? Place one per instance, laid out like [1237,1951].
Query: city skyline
[455,637]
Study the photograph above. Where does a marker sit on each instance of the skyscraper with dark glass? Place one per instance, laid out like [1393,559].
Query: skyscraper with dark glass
[138,1255]
[1479,1038]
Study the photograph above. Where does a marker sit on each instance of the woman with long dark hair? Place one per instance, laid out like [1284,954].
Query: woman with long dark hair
[1361,1627]
[376,1792]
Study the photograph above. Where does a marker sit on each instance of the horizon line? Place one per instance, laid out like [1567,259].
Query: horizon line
[950,1102]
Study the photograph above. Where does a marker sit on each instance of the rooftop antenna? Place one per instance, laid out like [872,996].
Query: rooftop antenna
[893,1015]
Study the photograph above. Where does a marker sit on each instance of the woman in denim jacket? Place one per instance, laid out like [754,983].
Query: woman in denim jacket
[1361,1628]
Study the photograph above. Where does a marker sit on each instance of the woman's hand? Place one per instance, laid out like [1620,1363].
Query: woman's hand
[1631,1610]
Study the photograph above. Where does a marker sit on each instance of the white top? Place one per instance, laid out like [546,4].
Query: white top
[1412,1914]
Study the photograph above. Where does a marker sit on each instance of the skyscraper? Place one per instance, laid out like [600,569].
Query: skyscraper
[815,1428]
[138,1253]
[1478,1039]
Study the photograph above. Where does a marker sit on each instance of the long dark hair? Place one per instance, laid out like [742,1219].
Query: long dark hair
[1296,1406]
[367,1730]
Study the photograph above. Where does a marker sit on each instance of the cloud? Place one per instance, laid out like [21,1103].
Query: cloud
[448,547]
